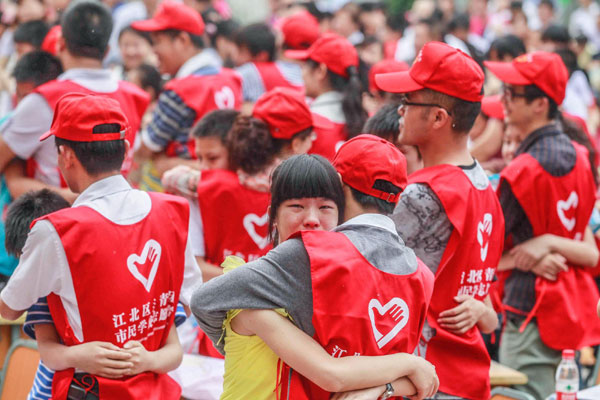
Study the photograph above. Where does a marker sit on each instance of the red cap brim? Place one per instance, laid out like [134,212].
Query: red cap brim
[297,54]
[321,122]
[507,73]
[148,25]
[46,135]
[397,82]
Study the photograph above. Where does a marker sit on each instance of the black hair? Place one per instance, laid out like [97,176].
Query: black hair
[197,40]
[86,26]
[578,135]
[385,123]
[507,45]
[130,29]
[463,112]
[435,27]
[215,123]
[556,34]
[38,67]
[304,176]
[533,92]
[352,89]
[97,157]
[23,211]
[257,38]
[569,58]
[150,77]
[32,32]
[459,21]
[368,201]
[226,28]
[396,22]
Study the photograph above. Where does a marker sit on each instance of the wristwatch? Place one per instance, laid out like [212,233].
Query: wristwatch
[389,391]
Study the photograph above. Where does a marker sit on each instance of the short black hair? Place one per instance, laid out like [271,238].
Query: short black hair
[533,92]
[197,40]
[226,28]
[367,201]
[130,29]
[507,45]
[23,211]
[97,157]
[215,123]
[32,32]
[150,77]
[257,38]
[556,34]
[38,67]
[463,112]
[305,176]
[86,27]
[459,21]
[385,123]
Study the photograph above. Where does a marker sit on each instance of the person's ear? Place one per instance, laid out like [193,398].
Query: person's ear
[68,156]
[322,71]
[441,118]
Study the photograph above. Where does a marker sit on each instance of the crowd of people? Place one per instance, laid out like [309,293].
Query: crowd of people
[357,199]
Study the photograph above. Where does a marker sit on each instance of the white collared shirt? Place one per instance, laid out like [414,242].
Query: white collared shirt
[371,219]
[43,267]
[329,105]
[200,60]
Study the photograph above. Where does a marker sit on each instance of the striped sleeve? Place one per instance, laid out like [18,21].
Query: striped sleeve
[42,383]
[39,313]
[180,315]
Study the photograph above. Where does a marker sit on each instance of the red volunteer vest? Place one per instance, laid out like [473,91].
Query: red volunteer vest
[567,305]
[235,222]
[467,266]
[205,93]
[127,280]
[272,77]
[132,99]
[357,308]
[328,141]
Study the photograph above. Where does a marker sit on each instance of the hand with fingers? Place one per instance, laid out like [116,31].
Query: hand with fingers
[360,394]
[141,359]
[463,317]
[527,254]
[103,359]
[424,378]
[550,266]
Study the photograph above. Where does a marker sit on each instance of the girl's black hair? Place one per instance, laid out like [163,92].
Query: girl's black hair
[578,135]
[304,176]
[352,89]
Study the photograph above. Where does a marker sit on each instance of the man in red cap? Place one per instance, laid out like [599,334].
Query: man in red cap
[101,263]
[86,27]
[547,189]
[199,82]
[361,268]
[449,214]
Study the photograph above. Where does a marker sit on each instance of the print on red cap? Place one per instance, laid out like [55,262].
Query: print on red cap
[373,166]
[88,118]
[172,15]
[438,67]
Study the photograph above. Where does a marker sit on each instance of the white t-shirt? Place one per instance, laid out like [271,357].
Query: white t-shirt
[33,117]
[44,269]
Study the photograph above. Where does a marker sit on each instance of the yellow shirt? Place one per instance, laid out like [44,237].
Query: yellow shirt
[250,365]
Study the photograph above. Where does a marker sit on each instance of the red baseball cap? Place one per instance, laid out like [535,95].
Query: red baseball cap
[331,49]
[286,113]
[383,67]
[300,30]
[87,118]
[491,107]
[172,15]
[542,69]
[367,162]
[438,67]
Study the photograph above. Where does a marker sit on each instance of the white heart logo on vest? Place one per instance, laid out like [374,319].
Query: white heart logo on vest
[396,310]
[152,252]
[250,223]
[224,98]
[485,226]
[563,206]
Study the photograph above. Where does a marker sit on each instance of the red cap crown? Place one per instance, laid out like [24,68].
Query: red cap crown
[300,30]
[441,68]
[173,15]
[491,107]
[333,50]
[542,69]
[284,111]
[367,162]
[49,43]
[87,118]
[384,67]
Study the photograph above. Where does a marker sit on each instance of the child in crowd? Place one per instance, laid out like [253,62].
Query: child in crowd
[136,49]
[29,36]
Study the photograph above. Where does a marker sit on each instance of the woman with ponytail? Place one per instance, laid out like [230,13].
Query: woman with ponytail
[332,76]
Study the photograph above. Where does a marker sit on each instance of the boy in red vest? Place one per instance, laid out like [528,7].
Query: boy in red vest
[449,214]
[362,269]
[103,264]
[86,27]
[199,83]
[547,188]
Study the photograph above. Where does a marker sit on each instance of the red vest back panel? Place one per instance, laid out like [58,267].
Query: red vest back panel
[564,210]
[359,309]
[467,267]
[127,280]
[272,77]
[328,141]
[234,218]
[132,99]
